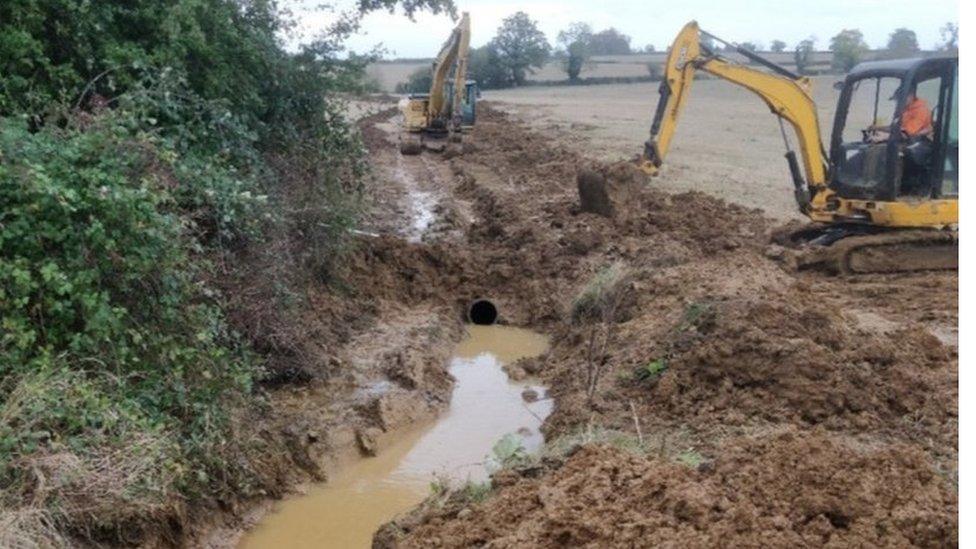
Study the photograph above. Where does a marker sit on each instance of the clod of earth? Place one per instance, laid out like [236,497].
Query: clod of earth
[593,196]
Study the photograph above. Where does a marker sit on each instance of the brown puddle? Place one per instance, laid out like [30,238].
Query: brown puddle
[485,406]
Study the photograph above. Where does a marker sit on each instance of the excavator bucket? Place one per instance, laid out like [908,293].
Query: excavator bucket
[410,144]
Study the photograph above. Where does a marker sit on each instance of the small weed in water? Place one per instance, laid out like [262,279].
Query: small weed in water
[507,452]
[439,486]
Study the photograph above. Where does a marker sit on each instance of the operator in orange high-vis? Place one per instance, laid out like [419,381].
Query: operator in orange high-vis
[916,121]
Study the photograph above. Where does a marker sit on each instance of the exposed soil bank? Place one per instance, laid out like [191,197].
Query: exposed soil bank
[781,490]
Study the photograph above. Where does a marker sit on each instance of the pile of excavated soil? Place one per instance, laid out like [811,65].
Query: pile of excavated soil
[854,376]
[786,489]
[803,363]
[775,358]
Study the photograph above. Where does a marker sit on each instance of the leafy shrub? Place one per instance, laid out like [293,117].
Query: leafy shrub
[507,451]
[142,144]
[651,371]
[108,338]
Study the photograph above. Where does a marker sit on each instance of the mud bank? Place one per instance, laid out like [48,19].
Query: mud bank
[781,490]
[717,359]
[721,373]
[485,406]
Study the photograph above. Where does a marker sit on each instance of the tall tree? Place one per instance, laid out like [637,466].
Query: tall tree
[485,66]
[902,43]
[576,41]
[778,46]
[520,46]
[950,37]
[849,48]
[803,54]
[576,32]
[610,42]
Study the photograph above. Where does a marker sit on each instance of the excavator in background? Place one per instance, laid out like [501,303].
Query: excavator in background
[436,119]
[879,200]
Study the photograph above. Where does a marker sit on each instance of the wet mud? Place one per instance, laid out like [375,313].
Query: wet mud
[455,448]
[736,398]
[722,357]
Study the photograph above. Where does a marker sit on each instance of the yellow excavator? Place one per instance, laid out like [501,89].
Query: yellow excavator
[433,120]
[879,200]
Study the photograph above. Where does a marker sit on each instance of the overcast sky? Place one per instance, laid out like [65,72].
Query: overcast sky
[651,21]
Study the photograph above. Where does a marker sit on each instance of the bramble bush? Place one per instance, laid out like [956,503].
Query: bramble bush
[108,337]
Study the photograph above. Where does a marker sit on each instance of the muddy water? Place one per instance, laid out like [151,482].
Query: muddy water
[420,204]
[485,406]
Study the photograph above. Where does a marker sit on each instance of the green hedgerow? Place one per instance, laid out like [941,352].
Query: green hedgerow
[105,331]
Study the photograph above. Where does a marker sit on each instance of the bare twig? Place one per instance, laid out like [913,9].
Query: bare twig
[633,411]
[88,86]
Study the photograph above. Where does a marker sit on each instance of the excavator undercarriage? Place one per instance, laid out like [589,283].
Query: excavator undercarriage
[863,249]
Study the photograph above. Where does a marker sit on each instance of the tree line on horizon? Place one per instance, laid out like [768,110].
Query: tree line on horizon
[519,48]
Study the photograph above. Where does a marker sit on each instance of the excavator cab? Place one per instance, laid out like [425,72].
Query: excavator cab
[871,157]
[469,100]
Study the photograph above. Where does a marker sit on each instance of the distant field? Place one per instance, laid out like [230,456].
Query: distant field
[391,73]
[727,143]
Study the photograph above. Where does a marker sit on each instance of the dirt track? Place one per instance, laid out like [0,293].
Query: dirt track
[794,408]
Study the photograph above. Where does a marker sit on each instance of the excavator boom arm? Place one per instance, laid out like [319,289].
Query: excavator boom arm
[788,96]
[454,53]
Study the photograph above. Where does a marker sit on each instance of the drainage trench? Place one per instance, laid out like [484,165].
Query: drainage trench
[485,406]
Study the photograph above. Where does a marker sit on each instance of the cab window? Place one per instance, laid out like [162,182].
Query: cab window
[872,108]
[862,163]
[950,173]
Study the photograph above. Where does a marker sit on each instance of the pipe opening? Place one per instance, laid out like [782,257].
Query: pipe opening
[482,312]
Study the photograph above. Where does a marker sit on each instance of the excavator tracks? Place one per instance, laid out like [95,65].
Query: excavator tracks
[845,251]
[893,253]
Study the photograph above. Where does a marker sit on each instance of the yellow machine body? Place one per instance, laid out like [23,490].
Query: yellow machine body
[788,96]
[436,115]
